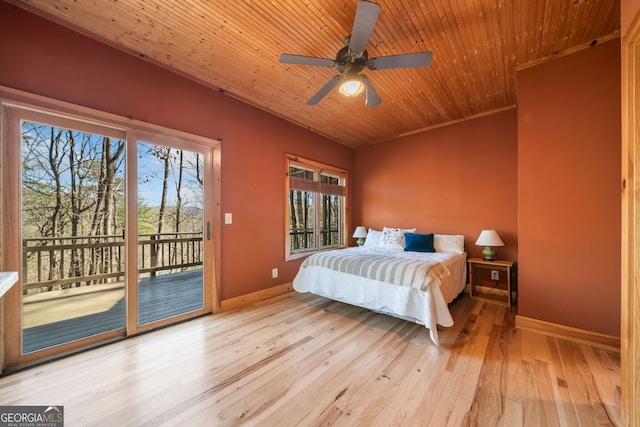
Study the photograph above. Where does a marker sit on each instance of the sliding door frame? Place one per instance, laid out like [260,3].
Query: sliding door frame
[12,101]
[172,141]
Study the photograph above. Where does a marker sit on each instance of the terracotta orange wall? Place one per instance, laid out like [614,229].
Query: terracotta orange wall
[457,179]
[569,190]
[628,10]
[41,57]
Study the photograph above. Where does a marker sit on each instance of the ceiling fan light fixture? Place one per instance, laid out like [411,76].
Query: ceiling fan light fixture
[351,87]
[353,58]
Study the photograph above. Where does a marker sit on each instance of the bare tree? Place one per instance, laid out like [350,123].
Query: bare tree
[106,187]
[104,212]
[179,189]
[55,159]
[164,154]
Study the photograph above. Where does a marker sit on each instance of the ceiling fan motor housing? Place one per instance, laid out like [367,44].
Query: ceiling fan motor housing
[348,60]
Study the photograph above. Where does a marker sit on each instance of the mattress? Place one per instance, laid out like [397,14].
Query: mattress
[415,286]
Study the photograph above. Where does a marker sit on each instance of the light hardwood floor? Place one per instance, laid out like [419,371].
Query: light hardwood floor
[304,360]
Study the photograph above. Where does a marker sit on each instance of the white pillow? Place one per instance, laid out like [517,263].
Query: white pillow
[393,238]
[453,243]
[373,238]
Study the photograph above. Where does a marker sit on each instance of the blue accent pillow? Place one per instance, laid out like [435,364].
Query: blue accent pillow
[419,242]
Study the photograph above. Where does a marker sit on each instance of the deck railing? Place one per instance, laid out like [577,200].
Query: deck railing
[65,262]
[304,238]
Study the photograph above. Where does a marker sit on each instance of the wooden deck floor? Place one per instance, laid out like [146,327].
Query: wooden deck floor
[57,317]
[302,360]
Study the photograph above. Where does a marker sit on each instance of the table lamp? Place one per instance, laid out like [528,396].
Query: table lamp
[489,239]
[360,234]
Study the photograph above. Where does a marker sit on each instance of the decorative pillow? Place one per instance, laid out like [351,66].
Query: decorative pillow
[418,242]
[373,238]
[453,243]
[393,238]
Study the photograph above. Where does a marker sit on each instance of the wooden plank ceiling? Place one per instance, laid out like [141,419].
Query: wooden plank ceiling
[234,45]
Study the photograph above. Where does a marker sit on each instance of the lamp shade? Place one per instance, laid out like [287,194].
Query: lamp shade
[489,238]
[360,233]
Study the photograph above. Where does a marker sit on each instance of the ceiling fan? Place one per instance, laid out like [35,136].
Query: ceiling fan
[353,58]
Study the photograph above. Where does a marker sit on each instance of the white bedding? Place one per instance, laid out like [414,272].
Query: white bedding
[425,303]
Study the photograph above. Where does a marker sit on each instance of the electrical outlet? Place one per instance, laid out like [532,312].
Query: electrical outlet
[274,273]
[495,274]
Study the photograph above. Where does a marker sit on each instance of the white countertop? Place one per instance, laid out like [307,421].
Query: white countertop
[7,279]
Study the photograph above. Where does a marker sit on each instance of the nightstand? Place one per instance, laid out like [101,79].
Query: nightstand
[490,280]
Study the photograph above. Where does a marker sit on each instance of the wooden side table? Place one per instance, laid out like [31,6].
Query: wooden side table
[490,280]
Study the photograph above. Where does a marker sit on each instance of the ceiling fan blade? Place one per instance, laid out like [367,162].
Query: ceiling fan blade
[288,58]
[407,60]
[365,20]
[371,98]
[324,90]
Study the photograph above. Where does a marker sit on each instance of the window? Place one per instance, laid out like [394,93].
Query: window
[316,195]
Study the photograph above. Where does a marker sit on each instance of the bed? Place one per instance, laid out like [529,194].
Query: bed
[392,275]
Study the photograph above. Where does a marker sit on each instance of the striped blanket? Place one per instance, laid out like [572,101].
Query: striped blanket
[417,270]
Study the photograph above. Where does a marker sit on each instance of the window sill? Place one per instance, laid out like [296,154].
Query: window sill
[301,255]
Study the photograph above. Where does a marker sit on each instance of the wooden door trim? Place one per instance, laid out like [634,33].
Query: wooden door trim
[630,238]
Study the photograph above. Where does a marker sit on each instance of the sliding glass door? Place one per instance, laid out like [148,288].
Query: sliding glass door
[108,227]
[72,222]
[171,232]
